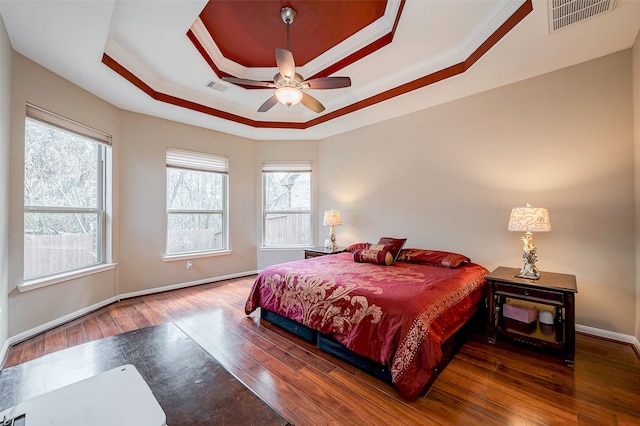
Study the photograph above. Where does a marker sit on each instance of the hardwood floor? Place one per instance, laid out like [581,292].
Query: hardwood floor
[484,384]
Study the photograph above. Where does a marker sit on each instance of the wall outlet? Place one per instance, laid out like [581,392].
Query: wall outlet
[189,264]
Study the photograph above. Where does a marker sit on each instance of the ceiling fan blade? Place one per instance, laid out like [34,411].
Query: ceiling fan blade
[268,104]
[247,82]
[285,62]
[312,103]
[328,83]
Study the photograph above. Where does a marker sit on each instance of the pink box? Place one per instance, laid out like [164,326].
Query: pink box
[519,312]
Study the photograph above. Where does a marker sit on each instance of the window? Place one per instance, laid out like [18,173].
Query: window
[286,193]
[64,195]
[196,202]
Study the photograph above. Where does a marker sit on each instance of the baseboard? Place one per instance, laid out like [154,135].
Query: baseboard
[56,322]
[184,285]
[611,335]
[77,314]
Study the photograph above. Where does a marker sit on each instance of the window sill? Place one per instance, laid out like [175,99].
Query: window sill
[55,279]
[188,256]
[283,248]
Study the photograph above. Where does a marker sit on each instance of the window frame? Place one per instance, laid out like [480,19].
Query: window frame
[200,162]
[104,143]
[303,166]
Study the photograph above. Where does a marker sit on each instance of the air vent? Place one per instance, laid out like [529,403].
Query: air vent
[563,13]
[217,86]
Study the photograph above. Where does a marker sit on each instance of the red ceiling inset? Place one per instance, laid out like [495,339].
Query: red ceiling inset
[248,32]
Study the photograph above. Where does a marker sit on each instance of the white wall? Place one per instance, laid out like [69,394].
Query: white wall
[447,177]
[5,114]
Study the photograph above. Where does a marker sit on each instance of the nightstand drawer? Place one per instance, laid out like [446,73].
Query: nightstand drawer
[320,251]
[509,290]
[309,254]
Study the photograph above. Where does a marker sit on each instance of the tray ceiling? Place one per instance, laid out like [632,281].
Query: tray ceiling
[167,58]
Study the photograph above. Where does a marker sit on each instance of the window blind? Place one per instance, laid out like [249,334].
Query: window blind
[183,159]
[53,119]
[286,166]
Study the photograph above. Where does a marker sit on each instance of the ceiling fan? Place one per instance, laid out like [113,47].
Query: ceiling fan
[287,82]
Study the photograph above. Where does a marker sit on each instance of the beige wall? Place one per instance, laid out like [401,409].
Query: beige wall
[447,178]
[32,83]
[636,120]
[143,203]
[5,114]
[138,201]
[283,151]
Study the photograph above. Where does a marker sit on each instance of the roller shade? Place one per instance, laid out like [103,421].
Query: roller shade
[286,166]
[183,159]
[55,120]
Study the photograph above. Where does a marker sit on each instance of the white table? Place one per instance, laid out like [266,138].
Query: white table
[116,397]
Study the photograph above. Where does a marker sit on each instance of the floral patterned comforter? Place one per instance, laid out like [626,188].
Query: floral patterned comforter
[396,315]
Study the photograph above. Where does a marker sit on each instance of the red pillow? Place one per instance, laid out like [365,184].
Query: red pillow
[443,259]
[378,257]
[398,243]
[356,246]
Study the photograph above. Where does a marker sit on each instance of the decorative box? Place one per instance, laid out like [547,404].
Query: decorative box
[520,313]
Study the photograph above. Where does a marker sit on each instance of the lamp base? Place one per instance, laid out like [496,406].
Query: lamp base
[529,277]
[332,237]
[529,257]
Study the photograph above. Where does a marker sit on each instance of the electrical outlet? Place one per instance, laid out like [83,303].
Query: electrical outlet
[189,264]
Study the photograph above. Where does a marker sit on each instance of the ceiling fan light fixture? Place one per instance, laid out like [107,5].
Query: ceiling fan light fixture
[287,82]
[289,95]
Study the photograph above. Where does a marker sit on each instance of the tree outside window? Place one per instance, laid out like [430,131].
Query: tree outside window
[196,202]
[287,205]
[63,199]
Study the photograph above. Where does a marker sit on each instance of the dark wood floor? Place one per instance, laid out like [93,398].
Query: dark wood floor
[484,384]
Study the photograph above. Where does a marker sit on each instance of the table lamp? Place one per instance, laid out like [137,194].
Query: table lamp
[332,218]
[529,219]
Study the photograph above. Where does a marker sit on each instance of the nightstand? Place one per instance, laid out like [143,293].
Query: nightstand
[552,291]
[320,251]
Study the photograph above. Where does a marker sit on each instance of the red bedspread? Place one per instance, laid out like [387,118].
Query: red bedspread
[396,315]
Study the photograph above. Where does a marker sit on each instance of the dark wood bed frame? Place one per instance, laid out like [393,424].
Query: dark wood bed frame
[331,346]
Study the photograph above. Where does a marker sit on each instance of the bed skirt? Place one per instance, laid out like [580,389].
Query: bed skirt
[328,344]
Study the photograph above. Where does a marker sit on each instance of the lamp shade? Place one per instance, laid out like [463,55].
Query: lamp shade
[289,95]
[529,219]
[332,218]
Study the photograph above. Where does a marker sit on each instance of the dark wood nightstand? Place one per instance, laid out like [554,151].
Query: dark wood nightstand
[320,251]
[552,290]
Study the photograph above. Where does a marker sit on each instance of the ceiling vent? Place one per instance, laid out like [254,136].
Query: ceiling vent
[217,86]
[563,13]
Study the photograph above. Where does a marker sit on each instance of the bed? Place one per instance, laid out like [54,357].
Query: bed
[392,314]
